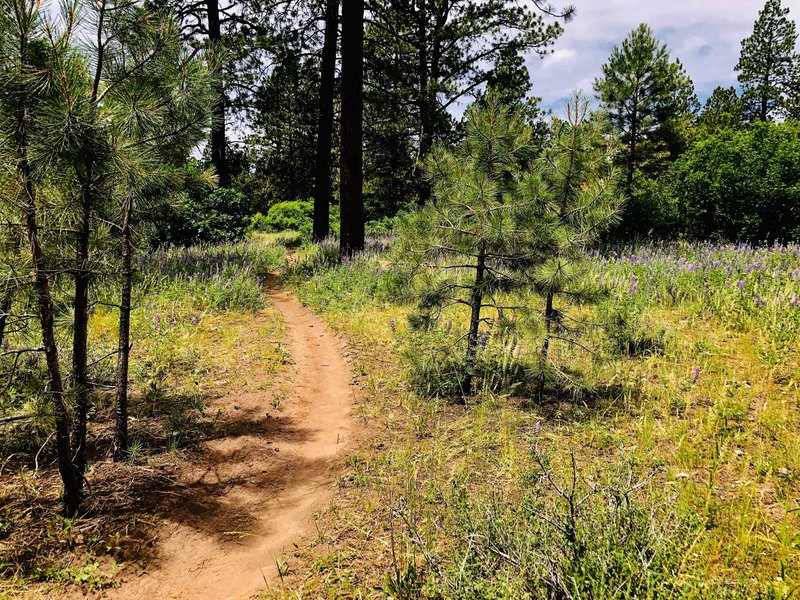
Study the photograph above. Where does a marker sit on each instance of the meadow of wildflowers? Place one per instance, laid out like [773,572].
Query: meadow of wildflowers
[700,426]
[743,286]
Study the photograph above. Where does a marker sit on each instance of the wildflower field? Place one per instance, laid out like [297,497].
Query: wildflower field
[666,465]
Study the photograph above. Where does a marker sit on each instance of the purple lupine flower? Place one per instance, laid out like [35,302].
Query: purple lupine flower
[449,326]
[5,345]
[537,428]
[393,326]
[695,374]
[484,340]
[157,321]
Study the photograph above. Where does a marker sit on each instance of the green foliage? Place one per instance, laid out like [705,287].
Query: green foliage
[438,369]
[739,185]
[722,110]
[482,235]
[293,215]
[421,61]
[768,64]
[576,186]
[281,151]
[214,218]
[649,102]
[628,333]
[495,228]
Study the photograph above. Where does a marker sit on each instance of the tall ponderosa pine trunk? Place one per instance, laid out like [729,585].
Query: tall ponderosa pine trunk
[352,200]
[323,190]
[476,304]
[69,474]
[126,285]
[218,141]
[763,110]
[630,167]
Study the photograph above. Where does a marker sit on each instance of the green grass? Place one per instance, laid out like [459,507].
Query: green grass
[685,452]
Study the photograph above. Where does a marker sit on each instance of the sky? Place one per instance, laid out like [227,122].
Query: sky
[704,34]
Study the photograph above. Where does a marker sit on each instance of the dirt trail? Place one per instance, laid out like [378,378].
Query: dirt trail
[257,488]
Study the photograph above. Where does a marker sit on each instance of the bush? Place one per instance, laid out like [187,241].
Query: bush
[385,225]
[294,215]
[650,213]
[739,185]
[628,334]
[218,217]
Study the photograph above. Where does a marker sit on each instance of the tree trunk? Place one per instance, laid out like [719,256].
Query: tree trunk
[352,200]
[80,331]
[631,166]
[80,334]
[548,326]
[475,303]
[218,142]
[5,308]
[763,112]
[121,405]
[69,475]
[423,97]
[323,192]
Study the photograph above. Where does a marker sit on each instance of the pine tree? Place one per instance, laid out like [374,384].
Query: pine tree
[157,118]
[577,190]
[35,61]
[479,235]
[441,52]
[768,63]
[722,110]
[649,101]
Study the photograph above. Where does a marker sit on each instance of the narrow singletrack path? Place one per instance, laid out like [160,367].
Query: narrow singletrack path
[267,476]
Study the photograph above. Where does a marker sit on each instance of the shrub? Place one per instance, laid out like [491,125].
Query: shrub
[570,535]
[628,334]
[218,217]
[294,215]
[740,184]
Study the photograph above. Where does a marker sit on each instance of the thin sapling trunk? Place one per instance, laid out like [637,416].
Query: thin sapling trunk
[69,474]
[121,405]
[475,303]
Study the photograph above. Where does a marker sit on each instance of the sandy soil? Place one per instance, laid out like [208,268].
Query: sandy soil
[256,489]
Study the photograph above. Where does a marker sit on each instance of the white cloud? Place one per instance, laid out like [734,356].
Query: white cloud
[704,34]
